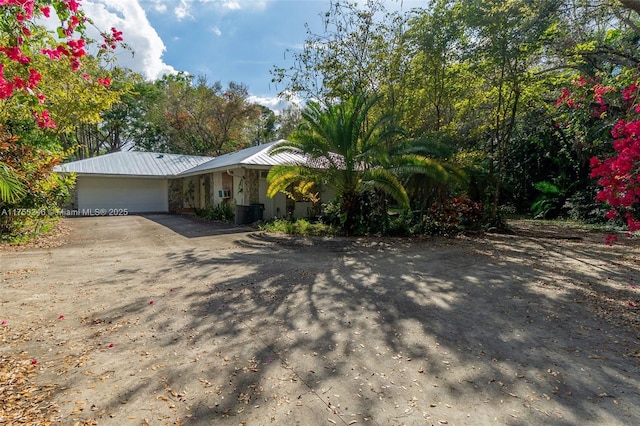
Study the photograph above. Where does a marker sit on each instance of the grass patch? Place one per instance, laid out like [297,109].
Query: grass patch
[298,227]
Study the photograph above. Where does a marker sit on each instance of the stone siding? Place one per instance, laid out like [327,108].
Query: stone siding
[176,196]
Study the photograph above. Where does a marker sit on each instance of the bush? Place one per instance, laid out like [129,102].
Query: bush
[298,227]
[453,216]
[46,191]
[223,212]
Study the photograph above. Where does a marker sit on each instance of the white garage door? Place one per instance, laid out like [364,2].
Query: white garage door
[137,195]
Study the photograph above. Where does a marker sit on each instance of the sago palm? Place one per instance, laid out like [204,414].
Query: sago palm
[344,147]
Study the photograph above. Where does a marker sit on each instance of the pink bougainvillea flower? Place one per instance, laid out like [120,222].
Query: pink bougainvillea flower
[151,302]
[630,304]
[34,361]
[4,322]
[43,119]
[111,345]
[61,317]
[633,287]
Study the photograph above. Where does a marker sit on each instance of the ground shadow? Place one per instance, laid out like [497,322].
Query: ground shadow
[501,330]
[192,227]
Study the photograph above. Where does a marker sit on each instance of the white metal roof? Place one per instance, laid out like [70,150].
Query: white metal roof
[134,163]
[255,156]
[137,163]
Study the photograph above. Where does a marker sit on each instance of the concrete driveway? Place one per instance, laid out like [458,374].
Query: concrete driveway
[162,320]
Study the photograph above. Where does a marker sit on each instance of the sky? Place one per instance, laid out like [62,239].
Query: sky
[224,40]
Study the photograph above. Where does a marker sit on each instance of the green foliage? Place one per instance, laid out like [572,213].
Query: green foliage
[548,202]
[298,227]
[11,188]
[450,216]
[44,191]
[198,118]
[346,152]
[223,212]
[358,51]
[581,206]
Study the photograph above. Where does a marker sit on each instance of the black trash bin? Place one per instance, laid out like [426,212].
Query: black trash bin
[242,215]
[256,212]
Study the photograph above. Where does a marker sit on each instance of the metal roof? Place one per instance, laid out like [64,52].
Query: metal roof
[254,156]
[134,163]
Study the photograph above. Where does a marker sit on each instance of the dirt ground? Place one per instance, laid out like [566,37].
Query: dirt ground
[161,320]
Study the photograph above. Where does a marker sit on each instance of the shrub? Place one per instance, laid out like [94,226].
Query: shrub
[223,212]
[453,215]
[46,191]
[298,227]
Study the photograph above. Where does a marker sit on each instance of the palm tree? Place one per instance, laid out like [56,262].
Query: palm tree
[11,188]
[346,151]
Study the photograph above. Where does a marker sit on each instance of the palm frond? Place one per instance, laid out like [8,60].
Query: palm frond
[11,188]
[387,182]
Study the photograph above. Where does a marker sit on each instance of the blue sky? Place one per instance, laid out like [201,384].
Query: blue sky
[225,40]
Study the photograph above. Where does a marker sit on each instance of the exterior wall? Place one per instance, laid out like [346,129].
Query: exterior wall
[191,193]
[273,207]
[251,186]
[246,186]
[176,197]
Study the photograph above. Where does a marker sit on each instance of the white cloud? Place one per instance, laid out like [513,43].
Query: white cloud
[183,10]
[231,5]
[159,6]
[274,103]
[129,17]
[217,31]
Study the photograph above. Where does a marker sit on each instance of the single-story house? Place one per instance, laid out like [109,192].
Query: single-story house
[146,182]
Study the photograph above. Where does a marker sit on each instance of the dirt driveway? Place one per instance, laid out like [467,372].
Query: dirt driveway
[161,320]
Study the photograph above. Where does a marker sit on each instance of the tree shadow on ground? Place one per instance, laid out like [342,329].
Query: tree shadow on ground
[507,329]
[193,227]
[504,329]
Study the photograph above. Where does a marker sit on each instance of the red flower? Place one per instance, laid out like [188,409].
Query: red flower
[34,361]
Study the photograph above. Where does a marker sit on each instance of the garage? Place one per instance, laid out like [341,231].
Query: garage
[126,182]
[133,195]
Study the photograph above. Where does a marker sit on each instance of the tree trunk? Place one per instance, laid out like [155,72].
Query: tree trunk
[350,210]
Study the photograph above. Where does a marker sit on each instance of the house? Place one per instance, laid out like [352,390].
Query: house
[145,182]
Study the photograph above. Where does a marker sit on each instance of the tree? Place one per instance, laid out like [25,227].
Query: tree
[262,128]
[351,56]
[23,44]
[599,109]
[288,121]
[344,150]
[437,77]
[200,118]
[506,39]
